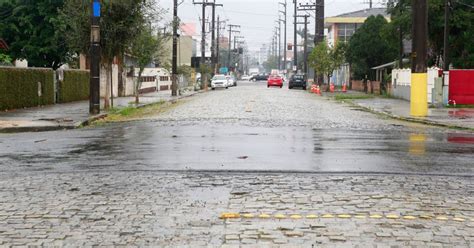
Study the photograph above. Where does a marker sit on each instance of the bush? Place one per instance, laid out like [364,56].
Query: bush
[74,86]
[19,87]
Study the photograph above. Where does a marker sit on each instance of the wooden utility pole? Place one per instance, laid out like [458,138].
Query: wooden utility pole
[279,44]
[419,81]
[94,81]
[174,67]
[447,5]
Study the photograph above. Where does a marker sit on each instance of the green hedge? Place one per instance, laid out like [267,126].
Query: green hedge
[19,87]
[74,86]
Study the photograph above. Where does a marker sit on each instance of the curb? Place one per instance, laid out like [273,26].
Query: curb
[410,119]
[83,123]
[105,115]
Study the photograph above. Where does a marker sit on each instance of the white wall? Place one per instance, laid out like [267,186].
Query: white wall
[103,80]
[401,82]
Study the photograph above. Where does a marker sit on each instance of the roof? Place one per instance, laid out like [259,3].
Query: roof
[3,44]
[388,65]
[358,16]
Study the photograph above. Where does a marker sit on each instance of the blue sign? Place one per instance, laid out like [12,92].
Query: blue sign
[96,8]
[223,70]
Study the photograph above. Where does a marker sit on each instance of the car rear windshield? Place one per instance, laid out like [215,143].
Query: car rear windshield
[298,77]
[219,78]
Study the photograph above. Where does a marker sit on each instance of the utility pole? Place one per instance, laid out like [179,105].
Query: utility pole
[295,38]
[285,42]
[279,44]
[318,7]
[213,38]
[447,5]
[419,79]
[231,27]
[174,69]
[305,49]
[218,43]
[203,44]
[94,80]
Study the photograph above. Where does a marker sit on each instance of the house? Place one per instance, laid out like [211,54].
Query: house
[342,27]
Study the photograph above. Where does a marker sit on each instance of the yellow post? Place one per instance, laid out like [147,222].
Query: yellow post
[419,95]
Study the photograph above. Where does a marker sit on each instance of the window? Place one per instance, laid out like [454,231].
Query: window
[345,31]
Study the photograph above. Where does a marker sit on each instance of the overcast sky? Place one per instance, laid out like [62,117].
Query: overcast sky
[257,17]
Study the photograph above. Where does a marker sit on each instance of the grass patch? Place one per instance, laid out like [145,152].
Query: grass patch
[340,97]
[131,113]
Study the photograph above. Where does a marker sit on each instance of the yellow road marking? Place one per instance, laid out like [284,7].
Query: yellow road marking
[392,216]
[296,216]
[311,216]
[248,216]
[264,216]
[280,216]
[344,216]
[230,216]
[459,219]
[376,216]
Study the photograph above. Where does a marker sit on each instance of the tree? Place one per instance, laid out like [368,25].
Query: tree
[144,48]
[120,24]
[33,31]
[5,60]
[370,46]
[324,59]
[461,30]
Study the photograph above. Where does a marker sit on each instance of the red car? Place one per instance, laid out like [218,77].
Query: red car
[275,80]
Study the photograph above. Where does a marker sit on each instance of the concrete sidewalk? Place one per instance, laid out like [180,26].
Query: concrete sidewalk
[462,118]
[69,115]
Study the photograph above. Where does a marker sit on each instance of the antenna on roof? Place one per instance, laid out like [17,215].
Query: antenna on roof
[368,2]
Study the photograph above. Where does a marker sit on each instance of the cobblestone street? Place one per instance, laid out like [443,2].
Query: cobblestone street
[243,167]
[183,209]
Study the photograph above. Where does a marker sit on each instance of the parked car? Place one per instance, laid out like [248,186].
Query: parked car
[297,80]
[260,77]
[246,77]
[232,81]
[275,80]
[219,81]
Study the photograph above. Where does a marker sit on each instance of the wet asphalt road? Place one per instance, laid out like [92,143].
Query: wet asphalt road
[248,128]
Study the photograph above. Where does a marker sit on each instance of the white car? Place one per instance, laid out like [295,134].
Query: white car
[232,81]
[246,77]
[219,81]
